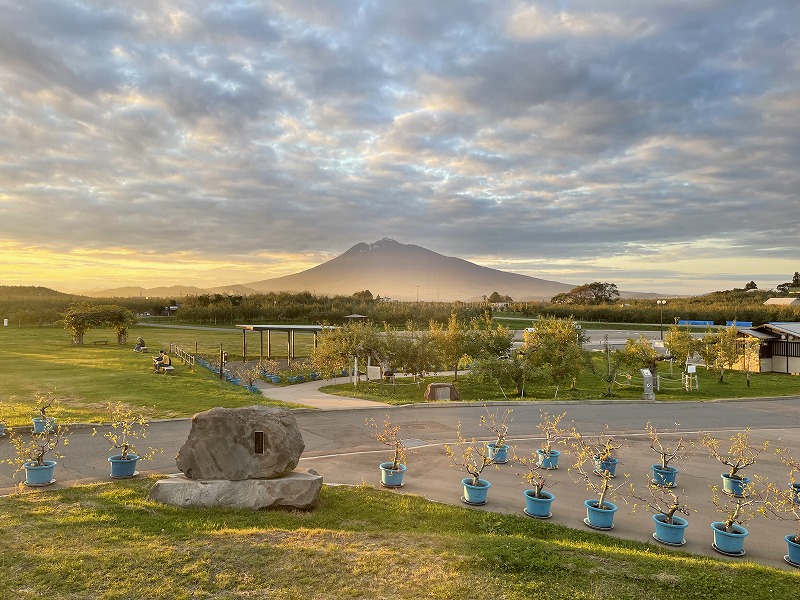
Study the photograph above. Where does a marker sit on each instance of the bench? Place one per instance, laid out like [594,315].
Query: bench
[99,342]
[167,370]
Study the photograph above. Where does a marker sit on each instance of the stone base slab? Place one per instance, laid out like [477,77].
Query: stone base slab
[299,489]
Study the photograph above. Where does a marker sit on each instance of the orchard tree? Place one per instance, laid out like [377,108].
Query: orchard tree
[515,369]
[450,342]
[680,343]
[555,350]
[721,350]
[640,354]
[338,346]
[589,293]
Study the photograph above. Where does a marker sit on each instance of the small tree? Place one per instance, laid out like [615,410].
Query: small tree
[469,456]
[497,425]
[678,450]
[32,448]
[536,475]
[782,502]
[585,452]
[555,349]
[737,509]
[389,435]
[659,501]
[549,426]
[741,453]
[125,428]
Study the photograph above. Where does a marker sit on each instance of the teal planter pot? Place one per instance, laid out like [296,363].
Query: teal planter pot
[122,469]
[2,430]
[548,460]
[729,543]
[538,506]
[734,486]
[475,494]
[498,453]
[40,425]
[392,478]
[40,475]
[610,465]
[599,518]
[793,558]
[664,477]
[670,534]
[275,379]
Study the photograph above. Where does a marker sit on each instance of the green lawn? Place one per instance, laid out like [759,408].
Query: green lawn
[589,387]
[109,541]
[86,378]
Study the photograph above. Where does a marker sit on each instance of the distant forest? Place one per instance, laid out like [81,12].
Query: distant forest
[27,305]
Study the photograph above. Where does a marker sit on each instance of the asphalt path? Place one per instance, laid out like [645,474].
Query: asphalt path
[339,446]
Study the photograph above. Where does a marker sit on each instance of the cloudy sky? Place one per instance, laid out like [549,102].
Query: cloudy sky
[655,145]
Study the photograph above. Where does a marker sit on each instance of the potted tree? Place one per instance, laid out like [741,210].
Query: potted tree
[549,426]
[784,504]
[741,454]
[729,534]
[42,421]
[391,471]
[125,428]
[30,451]
[472,458]
[663,502]
[663,473]
[600,512]
[602,449]
[537,500]
[497,424]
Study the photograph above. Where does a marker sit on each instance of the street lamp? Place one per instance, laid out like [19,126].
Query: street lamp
[661,304]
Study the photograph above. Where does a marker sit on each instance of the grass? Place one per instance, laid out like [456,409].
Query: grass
[358,543]
[87,377]
[589,387]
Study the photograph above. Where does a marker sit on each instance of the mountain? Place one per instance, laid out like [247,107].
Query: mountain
[132,291]
[407,272]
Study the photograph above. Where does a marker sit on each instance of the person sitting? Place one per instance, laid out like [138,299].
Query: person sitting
[161,361]
[140,345]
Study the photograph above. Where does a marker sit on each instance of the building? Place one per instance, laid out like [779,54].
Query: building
[779,351]
[782,302]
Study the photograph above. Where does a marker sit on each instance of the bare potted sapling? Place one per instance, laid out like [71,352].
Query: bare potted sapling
[783,503]
[497,424]
[473,458]
[665,474]
[42,421]
[663,502]
[389,435]
[551,430]
[599,512]
[736,510]
[741,453]
[537,501]
[32,449]
[124,429]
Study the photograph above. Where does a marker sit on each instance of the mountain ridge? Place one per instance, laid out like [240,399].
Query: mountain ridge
[389,269]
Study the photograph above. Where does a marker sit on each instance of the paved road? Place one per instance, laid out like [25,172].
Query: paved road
[339,446]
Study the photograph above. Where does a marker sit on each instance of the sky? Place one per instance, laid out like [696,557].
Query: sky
[654,145]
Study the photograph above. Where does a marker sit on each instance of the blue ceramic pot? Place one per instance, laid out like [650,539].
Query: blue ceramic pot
[600,518]
[38,475]
[548,460]
[538,506]
[392,477]
[121,469]
[794,551]
[2,430]
[475,494]
[498,453]
[664,477]
[40,425]
[734,486]
[726,542]
[670,533]
[610,465]
[275,379]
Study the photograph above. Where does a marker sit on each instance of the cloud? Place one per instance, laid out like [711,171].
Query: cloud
[554,133]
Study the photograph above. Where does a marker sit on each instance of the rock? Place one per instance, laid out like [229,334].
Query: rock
[441,391]
[299,489]
[224,444]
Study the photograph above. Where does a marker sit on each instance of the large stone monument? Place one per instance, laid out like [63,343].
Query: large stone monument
[244,458]
[441,391]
